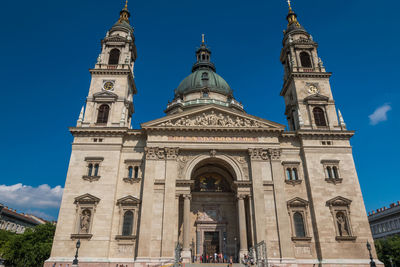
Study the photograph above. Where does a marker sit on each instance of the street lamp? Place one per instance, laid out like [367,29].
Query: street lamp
[78,245]
[372,263]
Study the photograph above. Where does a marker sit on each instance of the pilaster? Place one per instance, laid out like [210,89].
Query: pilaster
[258,158]
[169,220]
[286,247]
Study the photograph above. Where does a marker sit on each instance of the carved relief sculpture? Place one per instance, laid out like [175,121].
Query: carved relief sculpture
[212,119]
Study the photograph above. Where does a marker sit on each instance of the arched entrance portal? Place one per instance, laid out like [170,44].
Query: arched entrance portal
[215,227]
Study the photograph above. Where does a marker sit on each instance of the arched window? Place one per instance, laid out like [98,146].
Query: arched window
[96,170]
[305,60]
[299,225]
[329,172]
[294,172]
[130,172]
[335,172]
[102,116]
[136,172]
[114,57]
[128,224]
[90,169]
[203,57]
[289,174]
[319,116]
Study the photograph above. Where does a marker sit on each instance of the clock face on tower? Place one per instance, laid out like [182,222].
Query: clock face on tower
[312,89]
[108,85]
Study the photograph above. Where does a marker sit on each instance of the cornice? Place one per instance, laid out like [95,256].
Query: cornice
[111,71]
[303,75]
[94,131]
[211,129]
[324,133]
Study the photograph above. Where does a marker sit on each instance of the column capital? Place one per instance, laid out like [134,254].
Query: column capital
[274,153]
[172,153]
[155,153]
[241,196]
[258,154]
[187,196]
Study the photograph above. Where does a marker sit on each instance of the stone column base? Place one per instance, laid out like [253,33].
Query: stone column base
[186,256]
[242,253]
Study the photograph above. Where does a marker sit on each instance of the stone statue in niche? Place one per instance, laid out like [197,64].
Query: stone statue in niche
[342,224]
[85,222]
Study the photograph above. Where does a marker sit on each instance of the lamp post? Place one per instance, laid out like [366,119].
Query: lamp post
[78,245]
[235,248]
[372,263]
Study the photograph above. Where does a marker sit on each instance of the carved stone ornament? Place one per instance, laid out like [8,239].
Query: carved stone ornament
[161,153]
[182,161]
[244,165]
[274,154]
[213,153]
[213,119]
[258,154]
[172,152]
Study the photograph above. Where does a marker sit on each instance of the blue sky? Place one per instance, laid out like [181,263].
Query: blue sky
[48,46]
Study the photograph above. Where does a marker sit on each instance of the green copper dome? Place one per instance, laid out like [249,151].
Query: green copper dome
[203,78]
[203,75]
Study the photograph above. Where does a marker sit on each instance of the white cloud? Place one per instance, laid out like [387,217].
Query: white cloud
[380,114]
[24,197]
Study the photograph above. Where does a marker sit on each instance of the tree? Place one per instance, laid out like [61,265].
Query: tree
[387,249]
[29,249]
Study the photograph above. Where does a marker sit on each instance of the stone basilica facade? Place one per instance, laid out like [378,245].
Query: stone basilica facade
[209,176]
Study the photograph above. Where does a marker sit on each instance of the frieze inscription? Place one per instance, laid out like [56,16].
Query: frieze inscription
[212,139]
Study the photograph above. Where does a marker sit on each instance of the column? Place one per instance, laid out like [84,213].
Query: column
[186,255]
[242,226]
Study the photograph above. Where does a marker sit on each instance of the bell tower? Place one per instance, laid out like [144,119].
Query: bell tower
[110,99]
[306,88]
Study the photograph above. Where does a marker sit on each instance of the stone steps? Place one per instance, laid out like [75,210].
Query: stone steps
[211,265]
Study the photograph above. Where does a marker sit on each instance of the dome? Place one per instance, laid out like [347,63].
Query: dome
[121,26]
[202,78]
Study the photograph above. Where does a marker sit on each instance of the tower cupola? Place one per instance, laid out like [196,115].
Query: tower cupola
[293,23]
[203,56]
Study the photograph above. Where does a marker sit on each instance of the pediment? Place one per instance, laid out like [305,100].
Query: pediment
[115,38]
[297,202]
[105,94]
[128,201]
[316,97]
[87,199]
[339,201]
[212,117]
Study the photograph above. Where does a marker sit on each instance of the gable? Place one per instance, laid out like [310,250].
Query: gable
[339,201]
[128,201]
[87,199]
[297,202]
[316,98]
[105,95]
[214,117]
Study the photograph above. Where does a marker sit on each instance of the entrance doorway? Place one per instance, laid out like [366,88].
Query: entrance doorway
[211,243]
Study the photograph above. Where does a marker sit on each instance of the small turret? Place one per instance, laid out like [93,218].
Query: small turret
[203,56]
